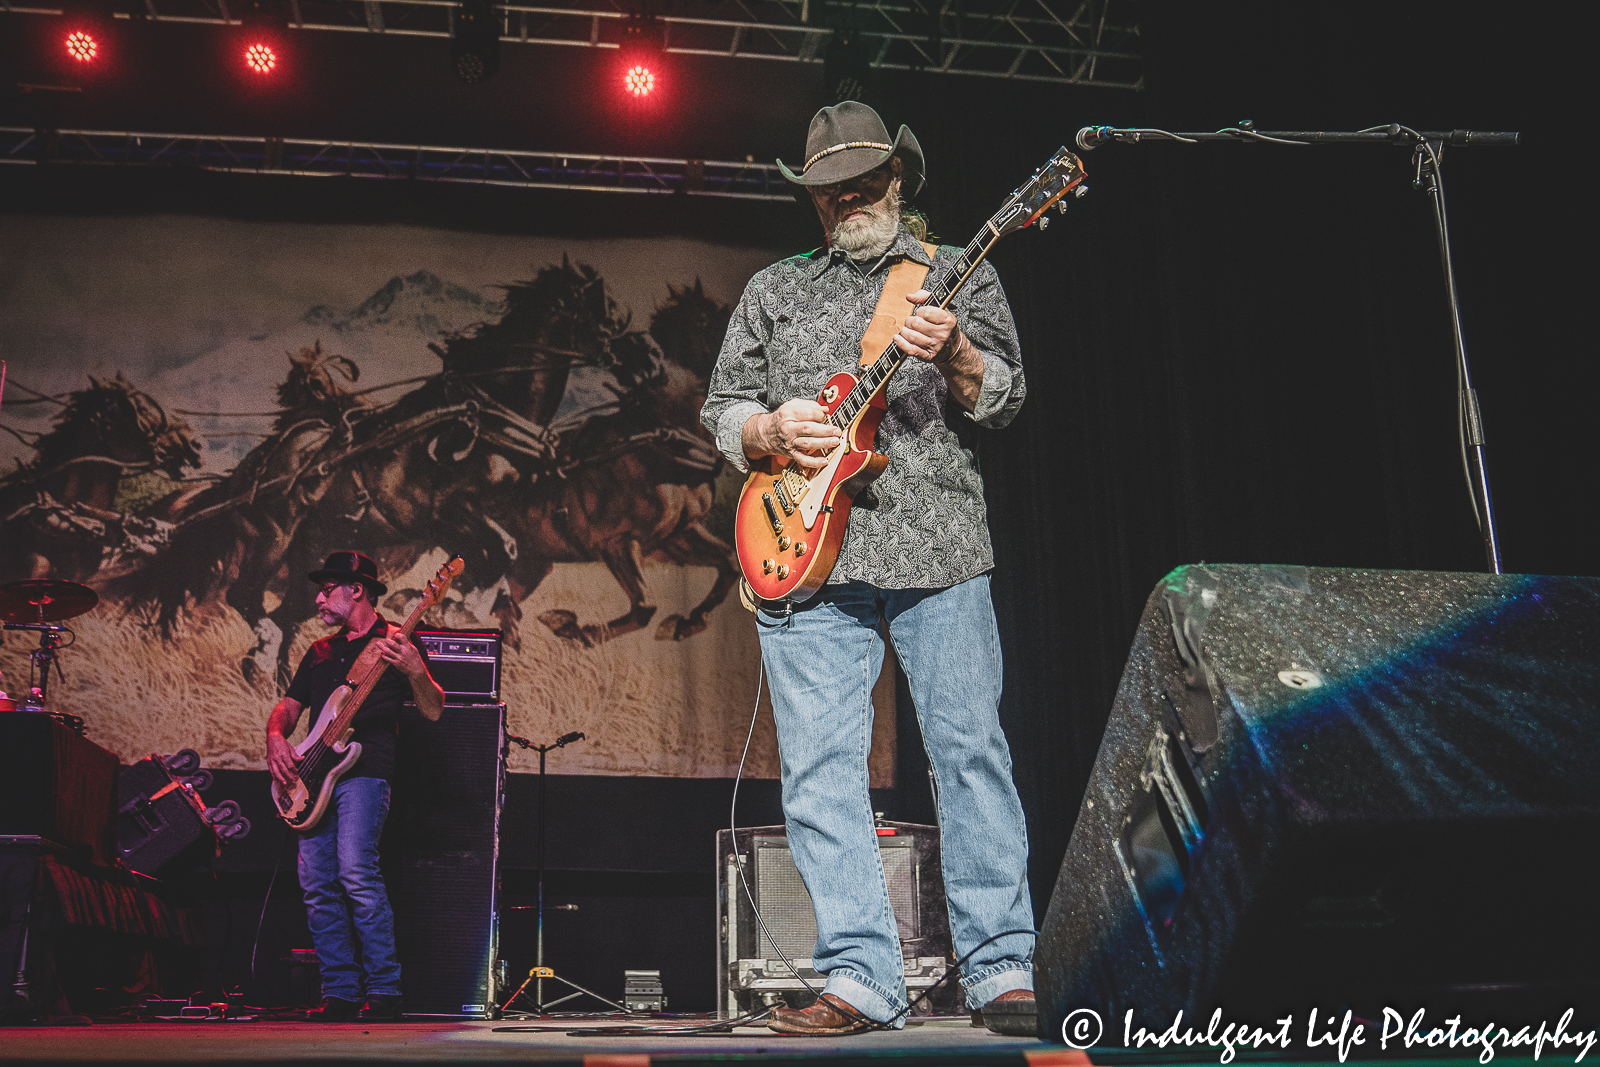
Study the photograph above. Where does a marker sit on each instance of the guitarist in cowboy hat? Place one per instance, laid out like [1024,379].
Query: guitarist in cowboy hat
[347,905]
[916,557]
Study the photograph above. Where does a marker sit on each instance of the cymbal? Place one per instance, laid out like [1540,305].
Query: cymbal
[46,600]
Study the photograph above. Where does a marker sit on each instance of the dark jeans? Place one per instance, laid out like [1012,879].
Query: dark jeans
[352,925]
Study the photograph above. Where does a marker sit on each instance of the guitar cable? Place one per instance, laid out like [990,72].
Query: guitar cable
[262,921]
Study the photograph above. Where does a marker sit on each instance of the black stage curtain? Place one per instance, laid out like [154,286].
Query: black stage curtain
[1243,353]
[1234,353]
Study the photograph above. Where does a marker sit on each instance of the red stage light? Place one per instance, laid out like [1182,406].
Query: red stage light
[260,58]
[639,80]
[81,46]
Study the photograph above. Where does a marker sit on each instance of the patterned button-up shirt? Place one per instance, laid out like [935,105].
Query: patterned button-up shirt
[922,524]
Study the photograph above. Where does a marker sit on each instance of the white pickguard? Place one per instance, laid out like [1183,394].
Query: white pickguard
[330,708]
[817,490]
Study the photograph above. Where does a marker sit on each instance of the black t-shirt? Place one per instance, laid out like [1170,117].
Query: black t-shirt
[325,668]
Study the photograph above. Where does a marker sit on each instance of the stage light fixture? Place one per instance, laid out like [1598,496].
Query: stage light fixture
[639,80]
[261,34]
[81,46]
[847,65]
[260,58]
[475,43]
[642,46]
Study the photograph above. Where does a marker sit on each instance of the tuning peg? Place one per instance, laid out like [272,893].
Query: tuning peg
[1044,222]
[1061,206]
[1080,190]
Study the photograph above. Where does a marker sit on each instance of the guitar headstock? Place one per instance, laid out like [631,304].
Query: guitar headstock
[440,583]
[1049,183]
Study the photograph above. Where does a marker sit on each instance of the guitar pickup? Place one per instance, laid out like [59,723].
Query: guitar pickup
[772,513]
[783,498]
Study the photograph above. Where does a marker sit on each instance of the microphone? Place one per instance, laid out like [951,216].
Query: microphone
[567,739]
[1092,137]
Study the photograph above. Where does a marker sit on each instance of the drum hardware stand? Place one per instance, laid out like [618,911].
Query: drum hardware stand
[540,973]
[1427,158]
[45,654]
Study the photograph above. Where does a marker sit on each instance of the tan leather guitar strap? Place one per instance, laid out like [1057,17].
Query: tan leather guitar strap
[905,278]
[369,655]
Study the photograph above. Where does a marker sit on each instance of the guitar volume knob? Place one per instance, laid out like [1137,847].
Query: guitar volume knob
[766,566]
[799,548]
[783,543]
[783,571]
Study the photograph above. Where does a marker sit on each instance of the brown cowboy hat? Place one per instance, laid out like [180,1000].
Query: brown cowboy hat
[849,139]
[350,567]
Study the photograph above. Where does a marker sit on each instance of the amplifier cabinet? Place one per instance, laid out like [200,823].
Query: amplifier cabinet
[751,972]
[442,850]
[465,663]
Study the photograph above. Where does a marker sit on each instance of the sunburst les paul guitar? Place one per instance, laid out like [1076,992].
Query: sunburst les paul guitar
[327,751]
[791,519]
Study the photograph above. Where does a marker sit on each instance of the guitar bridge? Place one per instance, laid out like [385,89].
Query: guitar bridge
[772,513]
[783,497]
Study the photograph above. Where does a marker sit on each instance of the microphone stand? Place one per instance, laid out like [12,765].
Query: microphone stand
[540,972]
[1427,158]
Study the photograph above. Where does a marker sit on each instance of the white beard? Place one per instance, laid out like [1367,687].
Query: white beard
[871,235]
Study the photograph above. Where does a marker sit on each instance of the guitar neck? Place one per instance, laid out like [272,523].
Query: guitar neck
[941,290]
[365,686]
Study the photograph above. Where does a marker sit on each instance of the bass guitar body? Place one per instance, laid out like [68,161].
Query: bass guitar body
[323,760]
[790,523]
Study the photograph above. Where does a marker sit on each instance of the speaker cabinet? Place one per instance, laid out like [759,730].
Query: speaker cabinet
[750,969]
[1339,788]
[161,824]
[442,854]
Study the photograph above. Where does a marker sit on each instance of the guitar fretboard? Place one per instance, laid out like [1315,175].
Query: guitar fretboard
[941,290]
[435,592]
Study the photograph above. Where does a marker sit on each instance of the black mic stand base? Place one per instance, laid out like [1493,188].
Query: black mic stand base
[544,974]
[540,973]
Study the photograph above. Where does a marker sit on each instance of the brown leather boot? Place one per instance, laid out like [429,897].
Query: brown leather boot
[828,1017]
[1014,1012]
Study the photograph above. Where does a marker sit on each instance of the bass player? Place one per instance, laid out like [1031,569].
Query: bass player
[347,906]
[916,556]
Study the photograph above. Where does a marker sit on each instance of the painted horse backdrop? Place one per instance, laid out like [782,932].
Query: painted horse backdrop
[535,428]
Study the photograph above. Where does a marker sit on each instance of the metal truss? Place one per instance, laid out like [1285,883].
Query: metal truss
[472,166]
[1076,42]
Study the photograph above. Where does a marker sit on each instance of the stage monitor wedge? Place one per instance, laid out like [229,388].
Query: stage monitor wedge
[1339,789]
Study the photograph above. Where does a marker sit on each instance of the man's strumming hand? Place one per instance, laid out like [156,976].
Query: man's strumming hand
[797,430]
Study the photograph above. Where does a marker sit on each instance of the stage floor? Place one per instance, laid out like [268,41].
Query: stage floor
[940,1041]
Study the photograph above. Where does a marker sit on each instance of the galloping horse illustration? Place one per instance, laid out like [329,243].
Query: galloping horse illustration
[58,512]
[637,485]
[397,479]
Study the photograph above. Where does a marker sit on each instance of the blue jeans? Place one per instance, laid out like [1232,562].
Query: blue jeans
[821,662]
[352,925]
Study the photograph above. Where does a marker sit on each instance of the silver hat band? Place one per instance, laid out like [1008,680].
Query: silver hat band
[841,147]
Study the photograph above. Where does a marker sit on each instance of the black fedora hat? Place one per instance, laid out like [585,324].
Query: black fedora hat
[351,567]
[849,139]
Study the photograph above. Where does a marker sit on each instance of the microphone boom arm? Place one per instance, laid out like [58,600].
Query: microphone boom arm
[1428,148]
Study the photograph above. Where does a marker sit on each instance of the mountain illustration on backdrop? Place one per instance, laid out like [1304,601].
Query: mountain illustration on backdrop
[387,334]
[421,301]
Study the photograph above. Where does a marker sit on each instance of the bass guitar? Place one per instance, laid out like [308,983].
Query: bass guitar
[327,751]
[791,519]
